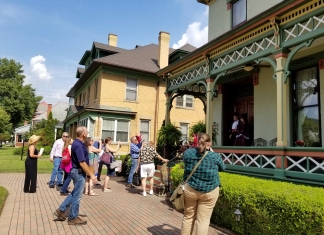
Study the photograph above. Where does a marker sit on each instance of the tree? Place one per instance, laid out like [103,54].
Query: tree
[17,99]
[5,125]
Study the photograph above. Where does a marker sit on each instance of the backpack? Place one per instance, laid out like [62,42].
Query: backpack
[66,157]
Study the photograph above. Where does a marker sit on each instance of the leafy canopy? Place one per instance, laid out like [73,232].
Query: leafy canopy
[17,99]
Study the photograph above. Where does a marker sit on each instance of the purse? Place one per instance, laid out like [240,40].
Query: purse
[177,197]
[113,165]
[105,158]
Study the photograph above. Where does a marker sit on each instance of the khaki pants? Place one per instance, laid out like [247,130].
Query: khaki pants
[198,209]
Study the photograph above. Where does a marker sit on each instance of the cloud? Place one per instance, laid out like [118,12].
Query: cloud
[38,68]
[195,35]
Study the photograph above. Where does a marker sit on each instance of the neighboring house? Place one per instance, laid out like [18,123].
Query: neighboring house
[59,111]
[118,93]
[265,61]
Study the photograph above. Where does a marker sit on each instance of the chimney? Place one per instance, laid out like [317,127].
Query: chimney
[112,40]
[164,41]
[25,123]
[49,109]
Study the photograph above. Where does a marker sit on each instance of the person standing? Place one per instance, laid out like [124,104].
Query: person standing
[202,190]
[56,158]
[31,165]
[146,161]
[66,167]
[135,150]
[80,164]
[233,130]
[242,137]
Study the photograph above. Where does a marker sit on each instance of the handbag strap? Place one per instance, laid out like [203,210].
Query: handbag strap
[194,169]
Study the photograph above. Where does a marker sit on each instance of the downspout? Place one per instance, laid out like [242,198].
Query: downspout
[156,115]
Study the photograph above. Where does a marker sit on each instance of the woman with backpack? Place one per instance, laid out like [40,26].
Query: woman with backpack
[66,165]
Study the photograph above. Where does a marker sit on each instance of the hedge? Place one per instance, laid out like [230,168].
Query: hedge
[47,150]
[269,207]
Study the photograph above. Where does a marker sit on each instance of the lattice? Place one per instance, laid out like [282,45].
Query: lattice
[296,163]
[301,162]
[260,161]
[244,52]
[304,27]
[189,75]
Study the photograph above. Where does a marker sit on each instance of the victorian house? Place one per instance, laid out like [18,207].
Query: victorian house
[264,59]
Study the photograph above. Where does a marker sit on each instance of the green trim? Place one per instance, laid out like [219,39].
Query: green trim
[69,112]
[85,57]
[116,116]
[271,62]
[291,55]
[130,74]
[187,83]
[254,170]
[263,53]
[309,36]
[88,81]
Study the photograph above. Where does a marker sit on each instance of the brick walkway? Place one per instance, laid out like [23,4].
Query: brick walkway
[124,211]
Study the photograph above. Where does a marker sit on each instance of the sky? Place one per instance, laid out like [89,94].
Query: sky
[49,37]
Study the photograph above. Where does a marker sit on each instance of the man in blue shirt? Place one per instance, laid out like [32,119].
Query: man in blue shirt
[135,150]
[80,167]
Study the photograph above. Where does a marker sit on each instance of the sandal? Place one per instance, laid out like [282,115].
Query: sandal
[93,194]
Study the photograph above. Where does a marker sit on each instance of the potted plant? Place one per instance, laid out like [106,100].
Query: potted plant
[168,137]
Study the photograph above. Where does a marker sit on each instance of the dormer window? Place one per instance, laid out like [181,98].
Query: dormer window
[238,12]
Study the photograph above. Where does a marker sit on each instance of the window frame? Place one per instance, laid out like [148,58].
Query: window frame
[114,137]
[232,13]
[182,135]
[184,102]
[132,89]
[149,128]
[296,108]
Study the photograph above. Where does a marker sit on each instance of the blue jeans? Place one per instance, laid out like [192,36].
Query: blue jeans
[66,183]
[132,170]
[57,171]
[74,198]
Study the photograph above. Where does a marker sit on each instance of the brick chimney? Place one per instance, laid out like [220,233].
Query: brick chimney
[164,41]
[49,109]
[112,40]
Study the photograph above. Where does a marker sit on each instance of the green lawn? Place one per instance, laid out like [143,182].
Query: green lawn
[13,164]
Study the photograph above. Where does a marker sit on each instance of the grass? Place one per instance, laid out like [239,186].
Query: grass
[3,196]
[10,163]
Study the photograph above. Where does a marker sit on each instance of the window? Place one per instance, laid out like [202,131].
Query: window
[80,99]
[307,123]
[145,129]
[91,127]
[238,12]
[131,89]
[184,127]
[96,89]
[83,122]
[83,98]
[117,130]
[185,101]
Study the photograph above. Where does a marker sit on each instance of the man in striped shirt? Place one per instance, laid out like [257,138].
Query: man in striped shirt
[135,150]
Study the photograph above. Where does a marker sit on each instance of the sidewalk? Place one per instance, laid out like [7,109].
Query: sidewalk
[123,211]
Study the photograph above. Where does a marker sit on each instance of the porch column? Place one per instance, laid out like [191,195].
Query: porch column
[282,90]
[209,111]
[167,108]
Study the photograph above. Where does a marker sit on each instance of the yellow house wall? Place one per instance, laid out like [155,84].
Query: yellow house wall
[265,106]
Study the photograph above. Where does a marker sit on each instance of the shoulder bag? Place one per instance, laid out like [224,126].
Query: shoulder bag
[177,197]
[105,158]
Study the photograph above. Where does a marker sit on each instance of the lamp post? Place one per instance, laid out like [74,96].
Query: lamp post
[237,214]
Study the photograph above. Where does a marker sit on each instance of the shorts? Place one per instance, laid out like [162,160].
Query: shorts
[147,170]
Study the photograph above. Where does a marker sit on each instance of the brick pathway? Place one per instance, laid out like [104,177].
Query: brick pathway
[124,211]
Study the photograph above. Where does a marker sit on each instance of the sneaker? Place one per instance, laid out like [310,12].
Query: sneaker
[52,186]
[60,185]
[151,192]
[107,190]
[77,221]
[60,214]
[144,194]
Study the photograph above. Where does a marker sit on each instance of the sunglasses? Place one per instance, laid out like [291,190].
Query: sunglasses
[65,136]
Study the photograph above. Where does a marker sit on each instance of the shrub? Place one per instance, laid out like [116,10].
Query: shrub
[269,207]
[47,150]
[176,174]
